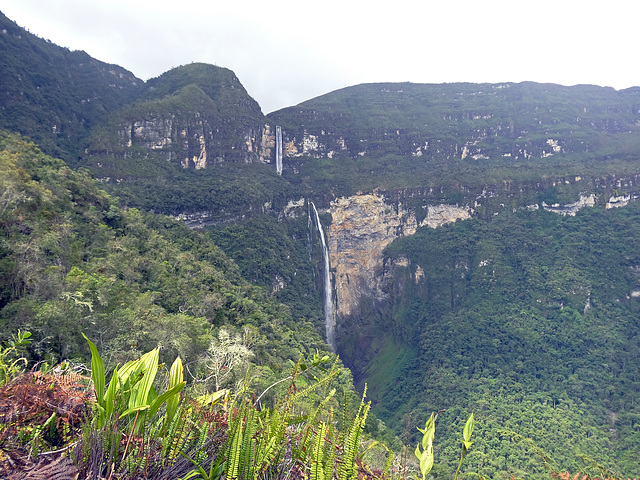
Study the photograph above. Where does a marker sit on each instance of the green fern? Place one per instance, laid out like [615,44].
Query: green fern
[348,469]
[318,458]
[270,441]
[311,421]
[311,388]
[232,470]
[249,444]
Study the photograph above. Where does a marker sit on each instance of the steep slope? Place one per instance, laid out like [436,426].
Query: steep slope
[54,95]
[516,121]
[198,115]
[72,262]
[530,321]
[158,138]
[194,129]
[512,316]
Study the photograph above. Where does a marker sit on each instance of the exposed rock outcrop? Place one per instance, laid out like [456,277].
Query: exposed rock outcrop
[195,116]
[197,142]
[461,121]
[571,208]
[362,226]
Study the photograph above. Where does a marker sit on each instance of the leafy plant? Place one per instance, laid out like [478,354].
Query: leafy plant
[425,457]
[215,471]
[130,393]
[10,361]
[348,469]
[466,442]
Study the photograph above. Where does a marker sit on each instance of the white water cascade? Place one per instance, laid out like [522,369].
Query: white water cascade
[278,149]
[329,318]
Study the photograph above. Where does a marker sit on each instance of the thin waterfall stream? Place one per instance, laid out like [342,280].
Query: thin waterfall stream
[329,318]
[279,149]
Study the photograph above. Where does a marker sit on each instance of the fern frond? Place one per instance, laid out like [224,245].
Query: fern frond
[348,468]
[321,382]
[249,444]
[232,469]
[317,465]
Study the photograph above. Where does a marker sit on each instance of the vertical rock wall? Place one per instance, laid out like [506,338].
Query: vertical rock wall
[362,226]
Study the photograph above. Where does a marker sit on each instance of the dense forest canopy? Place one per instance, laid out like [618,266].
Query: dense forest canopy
[532,319]
[74,262]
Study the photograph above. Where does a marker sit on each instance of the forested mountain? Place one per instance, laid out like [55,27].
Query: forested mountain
[532,319]
[482,241]
[55,95]
[458,136]
[74,262]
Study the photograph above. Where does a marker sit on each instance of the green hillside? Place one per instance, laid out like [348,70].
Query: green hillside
[404,135]
[54,95]
[531,321]
[74,262]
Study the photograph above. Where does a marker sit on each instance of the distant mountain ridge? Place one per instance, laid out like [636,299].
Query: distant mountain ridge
[509,123]
[55,95]
[81,109]
[153,138]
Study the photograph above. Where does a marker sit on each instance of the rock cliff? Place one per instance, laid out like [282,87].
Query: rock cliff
[467,122]
[362,226]
[195,117]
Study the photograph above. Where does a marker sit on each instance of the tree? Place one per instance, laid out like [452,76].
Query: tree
[226,353]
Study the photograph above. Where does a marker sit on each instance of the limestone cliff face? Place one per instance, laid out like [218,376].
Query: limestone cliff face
[467,122]
[362,226]
[572,208]
[196,117]
[198,142]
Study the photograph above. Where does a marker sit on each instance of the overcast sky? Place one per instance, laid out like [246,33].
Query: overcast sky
[288,51]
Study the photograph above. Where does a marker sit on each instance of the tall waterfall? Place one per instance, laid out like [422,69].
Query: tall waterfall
[329,318]
[279,149]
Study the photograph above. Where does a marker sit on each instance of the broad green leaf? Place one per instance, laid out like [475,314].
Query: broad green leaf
[203,473]
[110,396]
[468,428]
[176,374]
[176,377]
[133,410]
[418,453]
[426,461]
[426,456]
[127,369]
[429,432]
[192,474]
[97,371]
[212,398]
[153,408]
[148,370]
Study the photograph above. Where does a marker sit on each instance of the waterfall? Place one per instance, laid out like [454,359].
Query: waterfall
[329,319]
[310,226]
[278,149]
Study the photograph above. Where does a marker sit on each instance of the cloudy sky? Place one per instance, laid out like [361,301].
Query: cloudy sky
[288,51]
